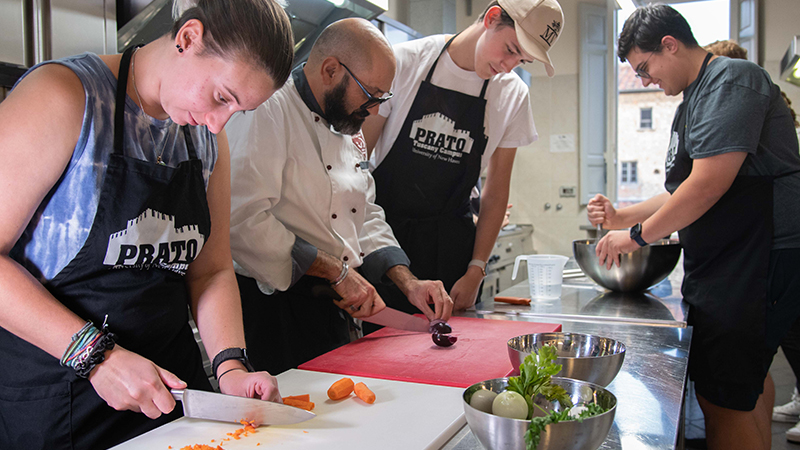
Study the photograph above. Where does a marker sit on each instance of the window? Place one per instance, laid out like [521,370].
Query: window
[628,172]
[646,118]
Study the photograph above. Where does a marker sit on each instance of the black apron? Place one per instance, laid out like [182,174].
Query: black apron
[726,256]
[138,283]
[425,181]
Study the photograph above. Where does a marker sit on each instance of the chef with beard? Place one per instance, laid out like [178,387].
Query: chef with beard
[308,241]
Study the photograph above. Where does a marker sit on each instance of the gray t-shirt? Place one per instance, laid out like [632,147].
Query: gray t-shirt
[738,108]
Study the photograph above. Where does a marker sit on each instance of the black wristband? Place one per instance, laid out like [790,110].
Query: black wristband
[97,354]
[239,354]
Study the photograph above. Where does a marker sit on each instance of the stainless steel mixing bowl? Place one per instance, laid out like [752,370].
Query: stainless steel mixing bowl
[637,271]
[582,356]
[501,433]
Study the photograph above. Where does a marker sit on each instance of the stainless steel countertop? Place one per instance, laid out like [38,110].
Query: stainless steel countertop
[583,300]
[650,385]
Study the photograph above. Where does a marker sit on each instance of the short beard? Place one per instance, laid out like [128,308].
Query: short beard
[336,111]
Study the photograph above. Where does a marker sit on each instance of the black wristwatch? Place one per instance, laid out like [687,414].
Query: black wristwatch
[236,353]
[636,234]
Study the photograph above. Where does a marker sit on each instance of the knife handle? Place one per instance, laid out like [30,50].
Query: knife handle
[177,394]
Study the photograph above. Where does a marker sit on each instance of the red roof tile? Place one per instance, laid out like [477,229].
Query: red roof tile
[628,82]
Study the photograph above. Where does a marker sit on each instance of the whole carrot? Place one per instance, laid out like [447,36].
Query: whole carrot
[363,392]
[340,389]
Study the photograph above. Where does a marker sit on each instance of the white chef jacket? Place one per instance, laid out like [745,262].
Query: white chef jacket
[293,176]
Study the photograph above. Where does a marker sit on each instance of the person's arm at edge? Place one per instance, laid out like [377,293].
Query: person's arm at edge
[494,202]
[214,293]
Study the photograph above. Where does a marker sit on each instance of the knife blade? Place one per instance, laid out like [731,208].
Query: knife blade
[230,408]
[393,318]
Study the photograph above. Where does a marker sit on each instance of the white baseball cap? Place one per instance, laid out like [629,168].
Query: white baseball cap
[538,24]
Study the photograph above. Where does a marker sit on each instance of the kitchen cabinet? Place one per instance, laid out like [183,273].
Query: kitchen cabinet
[69,27]
[513,240]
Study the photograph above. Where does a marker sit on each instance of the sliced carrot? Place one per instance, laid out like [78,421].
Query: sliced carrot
[304,397]
[308,406]
[363,392]
[340,389]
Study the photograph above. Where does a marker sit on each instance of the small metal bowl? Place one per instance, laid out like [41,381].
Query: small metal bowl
[637,271]
[501,433]
[582,356]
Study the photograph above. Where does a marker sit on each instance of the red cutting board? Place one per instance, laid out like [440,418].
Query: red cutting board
[390,354]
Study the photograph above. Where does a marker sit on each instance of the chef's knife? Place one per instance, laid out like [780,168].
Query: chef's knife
[393,318]
[389,317]
[230,408]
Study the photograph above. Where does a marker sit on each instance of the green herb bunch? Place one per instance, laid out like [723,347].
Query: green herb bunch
[534,433]
[534,378]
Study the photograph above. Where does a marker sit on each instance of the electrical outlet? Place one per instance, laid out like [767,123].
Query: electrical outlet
[566,191]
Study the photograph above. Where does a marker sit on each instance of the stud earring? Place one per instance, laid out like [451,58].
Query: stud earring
[180,50]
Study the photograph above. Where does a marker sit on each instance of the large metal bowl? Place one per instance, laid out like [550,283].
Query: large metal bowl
[582,356]
[637,271]
[501,433]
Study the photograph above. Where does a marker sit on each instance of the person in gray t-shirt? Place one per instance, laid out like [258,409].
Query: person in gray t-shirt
[732,180]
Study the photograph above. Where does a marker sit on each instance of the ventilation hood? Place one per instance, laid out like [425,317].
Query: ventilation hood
[790,64]
[308,18]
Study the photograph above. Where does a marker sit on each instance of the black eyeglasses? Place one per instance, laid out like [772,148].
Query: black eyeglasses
[371,99]
[642,73]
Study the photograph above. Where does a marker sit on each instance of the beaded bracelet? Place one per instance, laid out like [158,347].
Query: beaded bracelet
[95,355]
[87,348]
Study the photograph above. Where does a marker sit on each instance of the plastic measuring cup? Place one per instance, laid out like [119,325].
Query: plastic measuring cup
[544,274]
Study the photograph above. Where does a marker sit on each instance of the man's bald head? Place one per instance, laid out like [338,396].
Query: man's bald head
[355,42]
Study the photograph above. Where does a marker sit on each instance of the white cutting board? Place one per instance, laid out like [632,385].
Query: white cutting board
[405,416]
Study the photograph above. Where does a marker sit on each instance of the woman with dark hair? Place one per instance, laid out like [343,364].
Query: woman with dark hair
[732,182]
[115,226]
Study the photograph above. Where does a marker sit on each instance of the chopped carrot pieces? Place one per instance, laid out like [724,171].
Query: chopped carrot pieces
[363,392]
[340,389]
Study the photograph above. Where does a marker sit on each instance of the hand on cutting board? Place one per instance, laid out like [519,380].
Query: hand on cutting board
[359,297]
[612,245]
[259,385]
[601,211]
[465,291]
[422,293]
[127,381]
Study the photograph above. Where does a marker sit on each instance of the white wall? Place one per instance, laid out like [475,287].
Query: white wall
[780,20]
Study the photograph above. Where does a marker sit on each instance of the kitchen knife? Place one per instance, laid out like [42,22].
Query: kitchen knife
[230,408]
[393,318]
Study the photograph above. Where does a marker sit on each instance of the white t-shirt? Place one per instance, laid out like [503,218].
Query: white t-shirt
[508,119]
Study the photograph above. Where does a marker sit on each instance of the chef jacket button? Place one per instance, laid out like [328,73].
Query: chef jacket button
[361,254]
[329,167]
[353,210]
[316,118]
[334,216]
[345,258]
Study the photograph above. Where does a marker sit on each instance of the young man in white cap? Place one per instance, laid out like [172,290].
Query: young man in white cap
[457,109]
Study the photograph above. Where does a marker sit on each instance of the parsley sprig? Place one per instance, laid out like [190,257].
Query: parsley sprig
[534,378]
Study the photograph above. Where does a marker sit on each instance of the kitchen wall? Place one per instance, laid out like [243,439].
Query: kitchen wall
[777,25]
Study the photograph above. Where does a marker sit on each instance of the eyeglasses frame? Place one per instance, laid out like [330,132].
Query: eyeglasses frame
[371,99]
[641,73]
